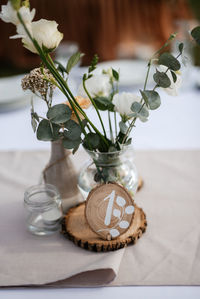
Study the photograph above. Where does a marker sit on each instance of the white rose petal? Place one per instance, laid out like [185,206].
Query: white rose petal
[173,88]
[123,102]
[9,15]
[45,33]
[97,85]
[26,14]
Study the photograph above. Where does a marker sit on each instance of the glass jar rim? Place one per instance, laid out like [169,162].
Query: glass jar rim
[30,191]
[125,147]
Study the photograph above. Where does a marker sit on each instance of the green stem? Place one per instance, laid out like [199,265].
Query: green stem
[89,129]
[147,75]
[166,44]
[115,118]
[131,125]
[110,126]
[93,103]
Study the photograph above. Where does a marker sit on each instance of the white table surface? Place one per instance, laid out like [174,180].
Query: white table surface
[175,125]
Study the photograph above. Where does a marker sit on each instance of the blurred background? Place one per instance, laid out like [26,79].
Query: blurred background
[114,29]
[124,33]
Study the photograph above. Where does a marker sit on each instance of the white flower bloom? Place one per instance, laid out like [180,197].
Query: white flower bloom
[97,85]
[123,102]
[173,88]
[109,73]
[9,14]
[45,33]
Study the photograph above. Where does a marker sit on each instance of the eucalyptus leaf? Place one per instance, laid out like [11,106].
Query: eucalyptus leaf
[153,99]
[196,34]
[162,79]
[84,122]
[128,142]
[139,111]
[59,114]
[145,97]
[170,61]
[35,116]
[60,67]
[180,47]
[104,147]
[75,149]
[33,124]
[74,130]
[73,60]
[71,144]
[47,131]
[123,127]
[92,141]
[174,76]
[104,103]
[115,74]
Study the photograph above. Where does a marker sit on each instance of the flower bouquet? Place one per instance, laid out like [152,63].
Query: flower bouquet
[68,122]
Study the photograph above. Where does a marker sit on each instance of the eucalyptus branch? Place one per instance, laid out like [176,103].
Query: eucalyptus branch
[172,36]
[147,74]
[131,125]
[166,44]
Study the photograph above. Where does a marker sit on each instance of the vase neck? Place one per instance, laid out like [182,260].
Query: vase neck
[57,150]
[108,159]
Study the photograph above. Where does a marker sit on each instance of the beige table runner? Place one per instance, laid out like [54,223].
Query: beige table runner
[167,254]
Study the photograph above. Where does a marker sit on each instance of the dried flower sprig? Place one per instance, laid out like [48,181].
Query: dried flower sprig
[40,82]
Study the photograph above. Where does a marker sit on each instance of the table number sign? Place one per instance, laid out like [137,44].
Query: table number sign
[109,210]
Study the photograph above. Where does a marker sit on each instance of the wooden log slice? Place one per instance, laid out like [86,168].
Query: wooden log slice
[76,228]
[109,210]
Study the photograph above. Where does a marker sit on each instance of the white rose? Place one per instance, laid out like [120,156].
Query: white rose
[97,85]
[45,33]
[173,88]
[9,14]
[123,102]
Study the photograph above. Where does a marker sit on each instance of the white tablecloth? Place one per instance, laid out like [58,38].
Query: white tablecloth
[175,125]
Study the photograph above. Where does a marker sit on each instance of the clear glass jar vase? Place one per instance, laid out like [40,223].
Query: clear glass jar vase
[105,167]
[43,209]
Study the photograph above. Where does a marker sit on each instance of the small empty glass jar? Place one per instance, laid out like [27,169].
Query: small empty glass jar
[43,209]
